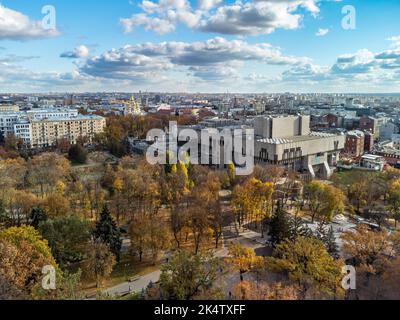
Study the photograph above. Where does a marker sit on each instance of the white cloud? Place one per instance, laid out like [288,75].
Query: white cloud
[207,4]
[250,18]
[361,69]
[160,26]
[17,26]
[322,32]
[210,59]
[395,41]
[79,52]
[162,16]
[239,18]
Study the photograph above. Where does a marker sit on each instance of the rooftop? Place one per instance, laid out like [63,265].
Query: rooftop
[79,117]
[293,139]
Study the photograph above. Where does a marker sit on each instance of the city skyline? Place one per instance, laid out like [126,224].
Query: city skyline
[200,46]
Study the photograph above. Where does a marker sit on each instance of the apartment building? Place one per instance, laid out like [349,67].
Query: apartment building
[41,128]
[355,143]
[372,125]
[46,132]
[8,108]
[7,122]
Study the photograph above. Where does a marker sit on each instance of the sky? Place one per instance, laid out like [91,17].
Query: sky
[246,46]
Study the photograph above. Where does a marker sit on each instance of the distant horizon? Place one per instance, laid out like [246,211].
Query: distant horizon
[204,93]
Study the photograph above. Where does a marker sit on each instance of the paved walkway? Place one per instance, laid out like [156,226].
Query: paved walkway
[134,286]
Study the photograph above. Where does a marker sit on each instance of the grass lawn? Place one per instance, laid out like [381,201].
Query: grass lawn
[345,178]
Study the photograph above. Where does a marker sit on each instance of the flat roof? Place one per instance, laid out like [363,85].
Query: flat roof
[79,117]
[371,157]
[292,139]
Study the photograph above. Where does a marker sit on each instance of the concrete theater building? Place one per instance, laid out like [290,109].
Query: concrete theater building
[287,141]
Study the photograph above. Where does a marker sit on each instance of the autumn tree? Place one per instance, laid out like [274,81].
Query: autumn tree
[94,195]
[324,200]
[23,254]
[176,187]
[19,204]
[248,290]
[372,253]
[138,231]
[231,170]
[309,266]
[46,169]
[243,259]
[141,189]
[100,262]
[56,205]
[187,275]
[358,193]
[394,199]
[13,173]
[391,281]
[8,291]
[148,233]
[252,201]
[158,237]
[204,210]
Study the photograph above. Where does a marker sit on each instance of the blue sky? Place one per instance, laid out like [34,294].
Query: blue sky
[200,46]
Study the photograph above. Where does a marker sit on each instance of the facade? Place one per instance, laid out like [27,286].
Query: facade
[396,140]
[47,132]
[372,162]
[132,107]
[369,141]
[40,128]
[7,122]
[372,125]
[391,156]
[287,141]
[387,130]
[8,108]
[355,142]
[333,120]
[275,127]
